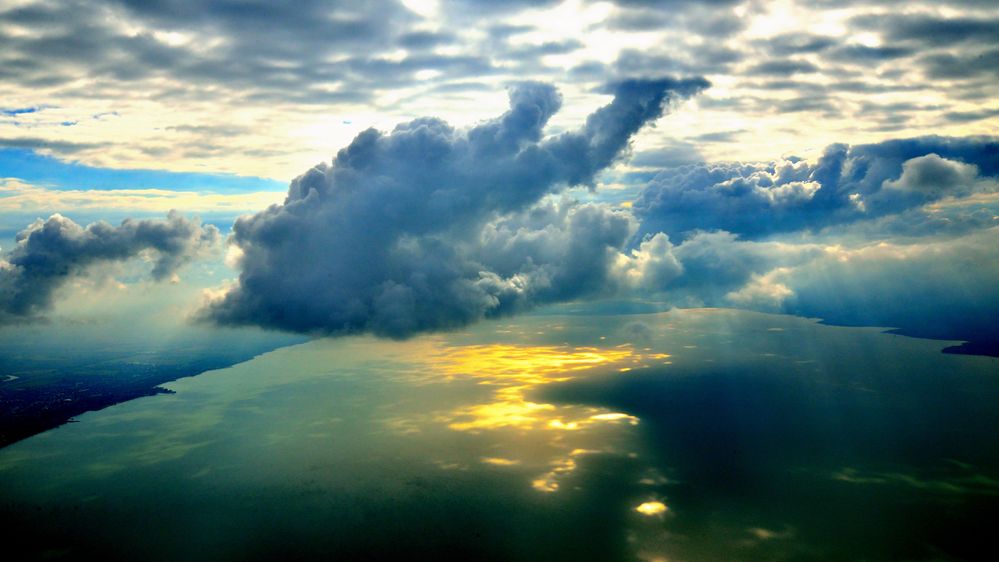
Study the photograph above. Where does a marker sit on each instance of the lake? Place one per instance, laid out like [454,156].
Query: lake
[699,434]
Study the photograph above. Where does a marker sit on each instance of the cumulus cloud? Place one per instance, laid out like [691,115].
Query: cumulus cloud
[651,266]
[931,286]
[50,252]
[938,288]
[715,265]
[429,227]
[931,177]
[898,234]
[847,184]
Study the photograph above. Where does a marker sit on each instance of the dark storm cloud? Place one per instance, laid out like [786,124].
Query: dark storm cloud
[390,72]
[491,6]
[310,21]
[461,87]
[946,66]
[719,136]
[674,3]
[863,54]
[871,108]
[49,253]
[429,227]
[425,39]
[251,48]
[556,252]
[931,30]
[939,48]
[212,130]
[797,43]
[503,31]
[691,17]
[547,48]
[828,87]
[66,147]
[846,184]
[782,68]
[789,84]
[969,116]
[817,103]
[951,48]
[633,63]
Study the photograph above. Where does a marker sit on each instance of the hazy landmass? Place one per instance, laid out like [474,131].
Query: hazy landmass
[46,383]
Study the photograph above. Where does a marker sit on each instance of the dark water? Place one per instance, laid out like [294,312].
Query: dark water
[690,435]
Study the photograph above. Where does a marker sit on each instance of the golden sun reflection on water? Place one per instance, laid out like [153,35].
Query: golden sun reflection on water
[651,508]
[517,370]
[538,435]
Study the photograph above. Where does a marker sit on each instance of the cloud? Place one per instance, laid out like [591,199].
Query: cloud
[968,116]
[429,227]
[930,286]
[50,252]
[846,184]
[300,72]
[19,198]
[223,43]
[669,155]
[782,68]
[901,233]
[939,288]
[717,264]
[931,30]
[797,43]
[864,54]
[945,219]
[651,266]
[962,66]
[66,147]
[693,16]
[633,62]
[931,177]
[425,39]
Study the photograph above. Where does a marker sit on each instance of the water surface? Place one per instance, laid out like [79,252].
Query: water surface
[686,435]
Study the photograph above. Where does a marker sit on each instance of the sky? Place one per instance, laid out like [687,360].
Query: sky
[619,268]
[405,167]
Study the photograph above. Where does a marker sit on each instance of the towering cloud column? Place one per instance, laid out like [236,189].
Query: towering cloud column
[390,237]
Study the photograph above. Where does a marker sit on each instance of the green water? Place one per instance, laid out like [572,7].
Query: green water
[688,435]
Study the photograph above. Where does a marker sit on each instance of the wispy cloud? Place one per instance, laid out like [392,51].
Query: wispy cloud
[18,198]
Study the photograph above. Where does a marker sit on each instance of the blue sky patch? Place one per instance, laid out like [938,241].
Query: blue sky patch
[31,167]
[13,111]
